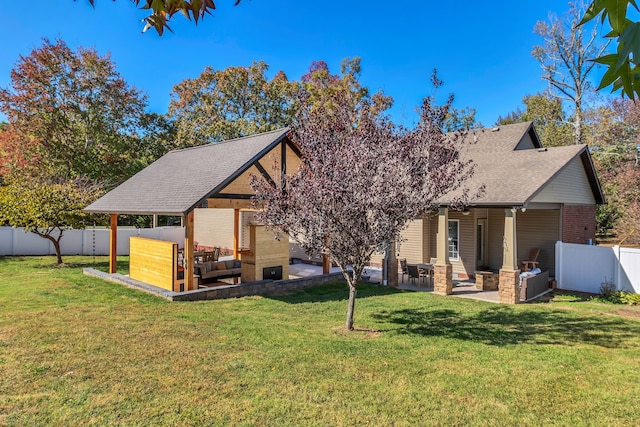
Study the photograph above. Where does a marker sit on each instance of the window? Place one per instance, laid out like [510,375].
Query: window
[454,240]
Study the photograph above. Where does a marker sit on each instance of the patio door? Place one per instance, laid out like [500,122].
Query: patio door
[481,243]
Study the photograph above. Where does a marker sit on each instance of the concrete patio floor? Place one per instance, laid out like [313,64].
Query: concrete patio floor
[461,288]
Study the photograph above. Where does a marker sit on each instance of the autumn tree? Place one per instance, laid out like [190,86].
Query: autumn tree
[74,115]
[565,57]
[230,103]
[321,87]
[361,181]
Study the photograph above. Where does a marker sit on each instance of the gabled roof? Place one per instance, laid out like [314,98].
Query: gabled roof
[183,179]
[512,165]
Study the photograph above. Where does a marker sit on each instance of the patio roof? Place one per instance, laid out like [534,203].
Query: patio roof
[184,179]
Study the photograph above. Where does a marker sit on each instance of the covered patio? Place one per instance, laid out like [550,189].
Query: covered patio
[213,176]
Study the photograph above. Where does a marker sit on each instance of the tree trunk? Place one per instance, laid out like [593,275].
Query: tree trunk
[353,289]
[56,242]
[56,245]
[578,121]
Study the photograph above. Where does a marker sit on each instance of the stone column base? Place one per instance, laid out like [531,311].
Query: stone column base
[487,281]
[509,287]
[443,279]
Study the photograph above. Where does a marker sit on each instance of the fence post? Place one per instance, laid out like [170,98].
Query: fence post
[616,267]
[559,264]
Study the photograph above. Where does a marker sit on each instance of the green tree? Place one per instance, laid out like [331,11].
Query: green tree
[622,66]
[564,58]
[461,119]
[548,117]
[46,209]
[230,103]
[73,115]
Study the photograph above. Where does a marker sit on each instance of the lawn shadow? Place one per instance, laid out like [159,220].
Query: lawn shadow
[502,325]
[334,292]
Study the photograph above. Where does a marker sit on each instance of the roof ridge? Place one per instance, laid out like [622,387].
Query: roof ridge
[210,144]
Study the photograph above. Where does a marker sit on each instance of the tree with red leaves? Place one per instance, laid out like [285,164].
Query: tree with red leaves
[362,179]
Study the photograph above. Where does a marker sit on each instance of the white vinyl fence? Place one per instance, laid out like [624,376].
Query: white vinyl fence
[90,241]
[585,267]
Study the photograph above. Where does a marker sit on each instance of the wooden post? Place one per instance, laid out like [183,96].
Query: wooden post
[113,244]
[326,264]
[188,252]
[155,220]
[236,233]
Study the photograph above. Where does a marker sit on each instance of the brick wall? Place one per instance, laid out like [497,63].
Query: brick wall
[578,224]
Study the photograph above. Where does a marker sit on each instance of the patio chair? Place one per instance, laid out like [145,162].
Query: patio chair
[405,270]
[427,271]
[532,262]
[414,273]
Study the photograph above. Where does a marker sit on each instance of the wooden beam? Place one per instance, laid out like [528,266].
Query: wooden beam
[113,244]
[188,252]
[228,204]
[236,233]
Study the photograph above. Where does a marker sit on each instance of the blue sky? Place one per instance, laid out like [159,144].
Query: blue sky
[481,49]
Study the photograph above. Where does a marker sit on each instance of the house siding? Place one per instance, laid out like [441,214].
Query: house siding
[569,186]
[411,243]
[213,227]
[578,223]
[495,233]
[538,229]
[466,265]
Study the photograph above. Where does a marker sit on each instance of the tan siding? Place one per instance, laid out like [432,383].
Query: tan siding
[525,143]
[272,162]
[538,229]
[214,227]
[495,232]
[466,263]
[411,243]
[570,186]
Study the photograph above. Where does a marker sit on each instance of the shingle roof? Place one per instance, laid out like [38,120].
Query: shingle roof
[182,179]
[510,176]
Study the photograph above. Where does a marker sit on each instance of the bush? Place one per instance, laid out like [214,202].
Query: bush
[621,297]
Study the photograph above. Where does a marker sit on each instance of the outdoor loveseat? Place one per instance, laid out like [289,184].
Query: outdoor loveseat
[212,271]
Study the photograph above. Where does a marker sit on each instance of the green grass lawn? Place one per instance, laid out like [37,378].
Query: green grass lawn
[75,350]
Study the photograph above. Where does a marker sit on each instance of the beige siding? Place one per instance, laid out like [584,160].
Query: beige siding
[495,232]
[213,227]
[411,243]
[570,186]
[538,229]
[467,247]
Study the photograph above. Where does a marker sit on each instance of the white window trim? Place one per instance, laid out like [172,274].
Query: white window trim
[457,238]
